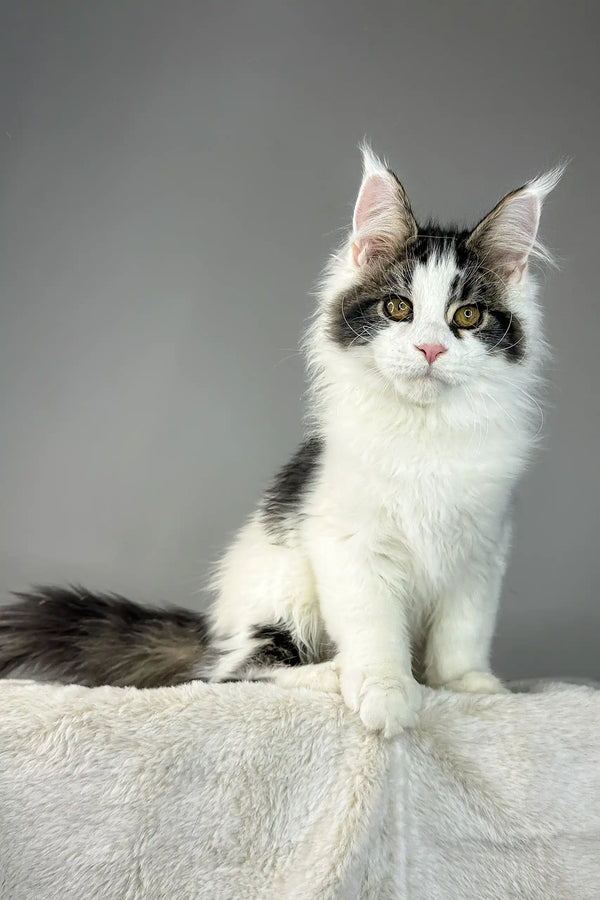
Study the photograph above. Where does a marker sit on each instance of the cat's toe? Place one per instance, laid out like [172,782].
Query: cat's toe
[388,710]
[385,703]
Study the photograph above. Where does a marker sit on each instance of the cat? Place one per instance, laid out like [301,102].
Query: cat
[374,560]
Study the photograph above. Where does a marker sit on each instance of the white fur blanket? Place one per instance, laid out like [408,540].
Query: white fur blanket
[247,791]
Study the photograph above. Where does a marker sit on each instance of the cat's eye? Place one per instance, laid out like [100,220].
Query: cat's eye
[467,316]
[398,308]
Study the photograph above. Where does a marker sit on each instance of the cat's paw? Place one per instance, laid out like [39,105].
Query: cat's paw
[314,677]
[385,702]
[476,682]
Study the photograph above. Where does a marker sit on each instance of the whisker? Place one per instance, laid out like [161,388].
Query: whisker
[353,330]
[509,347]
[498,404]
[528,396]
[476,416]
[497,344]
[289,356]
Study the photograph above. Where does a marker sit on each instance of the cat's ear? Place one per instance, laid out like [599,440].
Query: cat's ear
[505,239]
[383,221]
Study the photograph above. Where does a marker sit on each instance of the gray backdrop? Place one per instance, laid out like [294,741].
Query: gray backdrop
[173,175]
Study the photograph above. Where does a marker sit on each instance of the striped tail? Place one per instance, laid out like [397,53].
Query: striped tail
[72,635]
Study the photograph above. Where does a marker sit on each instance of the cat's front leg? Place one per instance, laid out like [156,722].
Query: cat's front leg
[368,623]
[459,641]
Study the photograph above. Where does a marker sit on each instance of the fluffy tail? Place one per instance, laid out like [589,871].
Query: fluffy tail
[74,636]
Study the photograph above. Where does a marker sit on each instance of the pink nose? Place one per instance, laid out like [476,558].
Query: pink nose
[431,351]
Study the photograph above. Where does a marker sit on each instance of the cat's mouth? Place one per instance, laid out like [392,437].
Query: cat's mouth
[419,384]
[427,386]
[421,388]
[429,376]
[443,377]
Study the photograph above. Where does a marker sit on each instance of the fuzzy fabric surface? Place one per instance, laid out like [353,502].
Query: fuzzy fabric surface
[248,791]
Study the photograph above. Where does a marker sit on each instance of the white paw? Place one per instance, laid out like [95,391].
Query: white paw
[475,682]
[385,702]
[314,677]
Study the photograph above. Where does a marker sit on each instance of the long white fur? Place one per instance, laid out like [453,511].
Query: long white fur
[406,529]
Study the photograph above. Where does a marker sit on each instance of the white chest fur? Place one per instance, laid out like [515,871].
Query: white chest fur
[423,498]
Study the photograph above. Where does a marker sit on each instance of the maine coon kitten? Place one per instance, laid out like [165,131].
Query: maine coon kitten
[388,531]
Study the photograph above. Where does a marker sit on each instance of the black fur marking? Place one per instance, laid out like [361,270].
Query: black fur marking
[282,499]
[278,647]
[454,287]
[502,333]
[433,240]
[74,635]
[358,318]
[270,647]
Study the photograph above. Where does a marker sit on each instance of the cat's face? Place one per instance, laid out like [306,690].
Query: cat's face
[432,319]
[433,311]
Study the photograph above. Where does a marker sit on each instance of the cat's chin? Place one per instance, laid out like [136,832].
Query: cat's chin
[421,390]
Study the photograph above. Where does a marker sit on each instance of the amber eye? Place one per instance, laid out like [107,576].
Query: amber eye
[467,316]
[398,308]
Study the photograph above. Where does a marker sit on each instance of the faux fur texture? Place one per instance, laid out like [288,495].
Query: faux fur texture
[247,791]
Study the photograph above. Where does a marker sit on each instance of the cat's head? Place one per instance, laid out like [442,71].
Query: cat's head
[432,311]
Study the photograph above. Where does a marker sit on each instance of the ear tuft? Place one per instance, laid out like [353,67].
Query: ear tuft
[383,221]
[506,238]
[543,184]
